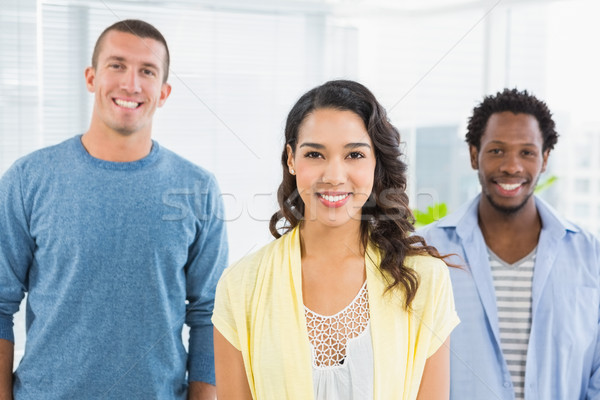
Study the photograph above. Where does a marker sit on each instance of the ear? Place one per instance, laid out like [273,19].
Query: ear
[545,155]
[90,77]
[165,91]
[290,157]
[474,153]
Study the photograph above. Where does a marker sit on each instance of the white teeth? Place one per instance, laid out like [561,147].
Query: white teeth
[509,186]
[127,104]
[334,199]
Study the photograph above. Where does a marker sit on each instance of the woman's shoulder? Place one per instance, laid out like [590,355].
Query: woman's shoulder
[434,281]
[425,263]
[251,266]
[431,270]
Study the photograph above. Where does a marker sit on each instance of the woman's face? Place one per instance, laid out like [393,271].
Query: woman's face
[334,164]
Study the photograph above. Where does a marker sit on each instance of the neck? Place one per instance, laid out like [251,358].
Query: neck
[331,242]
[112,146]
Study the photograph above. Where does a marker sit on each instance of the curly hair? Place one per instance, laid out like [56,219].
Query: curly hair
[386,219]
[518,103]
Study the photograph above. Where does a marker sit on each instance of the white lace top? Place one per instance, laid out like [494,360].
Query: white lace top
[342,352]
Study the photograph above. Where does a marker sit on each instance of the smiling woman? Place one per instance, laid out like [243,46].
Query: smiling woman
[334,166]
[345,304]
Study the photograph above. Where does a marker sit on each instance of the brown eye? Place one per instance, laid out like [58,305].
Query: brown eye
[356,155]
[312,154]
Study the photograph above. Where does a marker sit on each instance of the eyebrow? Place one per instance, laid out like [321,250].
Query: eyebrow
[347,146]
[123,59]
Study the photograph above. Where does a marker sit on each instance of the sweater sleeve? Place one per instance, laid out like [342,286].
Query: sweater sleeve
[16,250]
[207,260]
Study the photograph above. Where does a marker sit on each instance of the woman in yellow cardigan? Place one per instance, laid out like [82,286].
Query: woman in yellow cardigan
[345,304]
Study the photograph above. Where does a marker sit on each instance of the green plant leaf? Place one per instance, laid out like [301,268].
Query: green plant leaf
[541,186]
[433,213]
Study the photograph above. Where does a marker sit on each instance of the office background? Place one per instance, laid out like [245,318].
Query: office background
[237,67]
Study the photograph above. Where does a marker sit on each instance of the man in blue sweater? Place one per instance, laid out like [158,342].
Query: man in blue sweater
[529,295]
[117,242]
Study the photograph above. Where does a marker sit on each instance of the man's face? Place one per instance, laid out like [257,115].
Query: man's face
[510,160]
[127,83]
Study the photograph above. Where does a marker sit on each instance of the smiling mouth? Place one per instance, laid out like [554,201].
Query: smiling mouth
[334,199]
[509,186]
[132,105]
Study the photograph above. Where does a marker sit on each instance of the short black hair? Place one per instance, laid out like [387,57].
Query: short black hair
[517,102]
[138,28]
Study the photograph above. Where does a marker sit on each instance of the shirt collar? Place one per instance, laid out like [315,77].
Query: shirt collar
[465,218]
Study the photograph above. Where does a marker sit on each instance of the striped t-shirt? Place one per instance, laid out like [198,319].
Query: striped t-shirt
[512,283]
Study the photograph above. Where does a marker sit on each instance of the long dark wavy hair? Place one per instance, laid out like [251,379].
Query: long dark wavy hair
[386,220]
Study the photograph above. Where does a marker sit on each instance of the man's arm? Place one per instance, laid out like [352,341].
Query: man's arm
[206,261]
[16,254]
[6,368]
[593,389]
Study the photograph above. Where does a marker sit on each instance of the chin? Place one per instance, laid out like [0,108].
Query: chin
[339,222]
[507,209]
[125,131]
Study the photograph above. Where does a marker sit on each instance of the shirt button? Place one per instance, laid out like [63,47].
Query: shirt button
[507,384]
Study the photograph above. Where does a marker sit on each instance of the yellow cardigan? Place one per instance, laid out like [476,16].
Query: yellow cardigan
[260,311]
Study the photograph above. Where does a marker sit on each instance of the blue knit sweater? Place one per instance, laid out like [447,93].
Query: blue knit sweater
[115,257]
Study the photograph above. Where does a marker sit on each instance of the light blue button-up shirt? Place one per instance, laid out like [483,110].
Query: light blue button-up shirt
[563,356]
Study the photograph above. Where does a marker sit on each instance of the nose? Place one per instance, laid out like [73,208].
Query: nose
[131,82]
[512,163]
[334,173]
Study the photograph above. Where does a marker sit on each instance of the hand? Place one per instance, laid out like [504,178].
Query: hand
[6,367]
[201,391]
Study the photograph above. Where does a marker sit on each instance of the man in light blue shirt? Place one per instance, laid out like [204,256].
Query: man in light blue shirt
[529,294]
